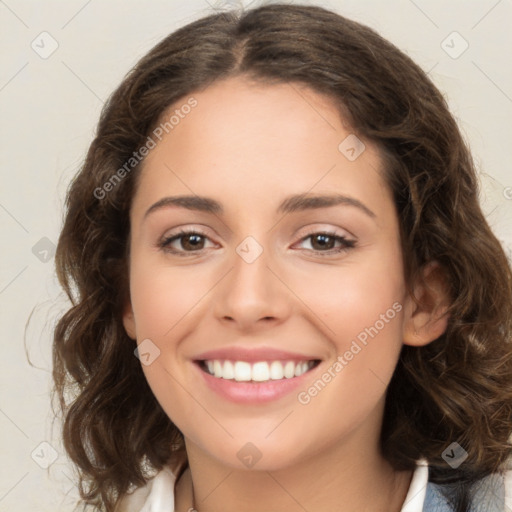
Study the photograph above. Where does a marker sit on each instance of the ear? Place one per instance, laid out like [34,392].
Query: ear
[426,316]
[129,320]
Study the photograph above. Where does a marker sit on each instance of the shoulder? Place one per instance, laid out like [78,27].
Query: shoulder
[150,497]
[508,489]
[158,492]
[492,493]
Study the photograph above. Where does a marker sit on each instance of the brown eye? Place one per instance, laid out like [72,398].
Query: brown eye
[328,243]
[184,242]
[322,241]
[192,242]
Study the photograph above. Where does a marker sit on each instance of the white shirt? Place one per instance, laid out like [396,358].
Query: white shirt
[158,493]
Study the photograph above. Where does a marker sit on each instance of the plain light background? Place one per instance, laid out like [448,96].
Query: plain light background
[49,106]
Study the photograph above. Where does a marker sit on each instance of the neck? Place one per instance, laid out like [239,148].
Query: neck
[350,476]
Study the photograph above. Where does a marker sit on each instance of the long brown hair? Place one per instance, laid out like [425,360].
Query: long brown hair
[457,388]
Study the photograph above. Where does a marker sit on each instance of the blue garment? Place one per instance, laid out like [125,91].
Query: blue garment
[488,495]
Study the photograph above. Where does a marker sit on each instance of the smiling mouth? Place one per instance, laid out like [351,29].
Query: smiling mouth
[260,371]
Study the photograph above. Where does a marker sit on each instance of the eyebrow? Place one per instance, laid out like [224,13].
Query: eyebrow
[299,202]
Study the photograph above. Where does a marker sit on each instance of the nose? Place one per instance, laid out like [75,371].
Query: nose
[252,295]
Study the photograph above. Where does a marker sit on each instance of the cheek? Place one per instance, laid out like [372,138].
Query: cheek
[164,300]
[162,296]
[364,306]
[366,338]
[352,299]
[358,309]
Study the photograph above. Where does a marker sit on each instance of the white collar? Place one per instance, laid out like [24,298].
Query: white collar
[417,489]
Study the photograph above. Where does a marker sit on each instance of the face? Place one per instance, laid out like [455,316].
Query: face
[295,304]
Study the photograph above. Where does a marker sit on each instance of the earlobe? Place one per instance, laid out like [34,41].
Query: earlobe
[426,318]
[129,321]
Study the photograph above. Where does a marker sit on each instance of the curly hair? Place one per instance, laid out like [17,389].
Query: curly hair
[457,388]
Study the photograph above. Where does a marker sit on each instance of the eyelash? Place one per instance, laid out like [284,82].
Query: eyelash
[347,244]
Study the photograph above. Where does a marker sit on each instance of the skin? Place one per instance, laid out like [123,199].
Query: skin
[249,146]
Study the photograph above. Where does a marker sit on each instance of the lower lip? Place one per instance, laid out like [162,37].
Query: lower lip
[254,392]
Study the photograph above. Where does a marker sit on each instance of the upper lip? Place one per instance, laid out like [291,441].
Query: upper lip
[253,355]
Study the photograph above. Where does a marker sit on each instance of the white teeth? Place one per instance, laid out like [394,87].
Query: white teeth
[261,371]
[217,368]
[242,371]
[289,370]
[276,370]
[228,370]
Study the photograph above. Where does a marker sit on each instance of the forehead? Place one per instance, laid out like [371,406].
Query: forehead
[250,139]
[247,118]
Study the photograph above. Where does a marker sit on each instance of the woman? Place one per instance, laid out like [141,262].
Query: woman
[285,293]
